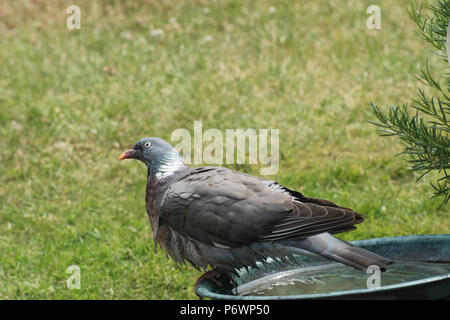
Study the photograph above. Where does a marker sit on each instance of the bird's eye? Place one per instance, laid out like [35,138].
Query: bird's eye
[148,144]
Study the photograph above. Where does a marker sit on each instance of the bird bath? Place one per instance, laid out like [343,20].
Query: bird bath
[421,271]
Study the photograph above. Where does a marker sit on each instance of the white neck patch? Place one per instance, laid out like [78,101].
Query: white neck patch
[169,168]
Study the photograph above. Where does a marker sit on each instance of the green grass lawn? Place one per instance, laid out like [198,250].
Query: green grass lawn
[72,100]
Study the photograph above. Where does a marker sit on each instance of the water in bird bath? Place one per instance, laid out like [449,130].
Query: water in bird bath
[336,277]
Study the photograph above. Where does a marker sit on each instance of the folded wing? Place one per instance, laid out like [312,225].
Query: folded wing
[223,208]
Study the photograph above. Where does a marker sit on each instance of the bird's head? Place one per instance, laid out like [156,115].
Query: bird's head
[156,153]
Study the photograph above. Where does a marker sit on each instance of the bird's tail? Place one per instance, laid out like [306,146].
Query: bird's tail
[326,245]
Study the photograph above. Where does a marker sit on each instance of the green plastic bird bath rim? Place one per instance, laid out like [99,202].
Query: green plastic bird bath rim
[430,247]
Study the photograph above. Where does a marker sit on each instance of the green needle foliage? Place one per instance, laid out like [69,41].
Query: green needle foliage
[422,127]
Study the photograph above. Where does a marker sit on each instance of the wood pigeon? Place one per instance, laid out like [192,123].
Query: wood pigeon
[216,218]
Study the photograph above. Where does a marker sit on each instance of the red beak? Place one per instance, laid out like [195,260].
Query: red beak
[127,154]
